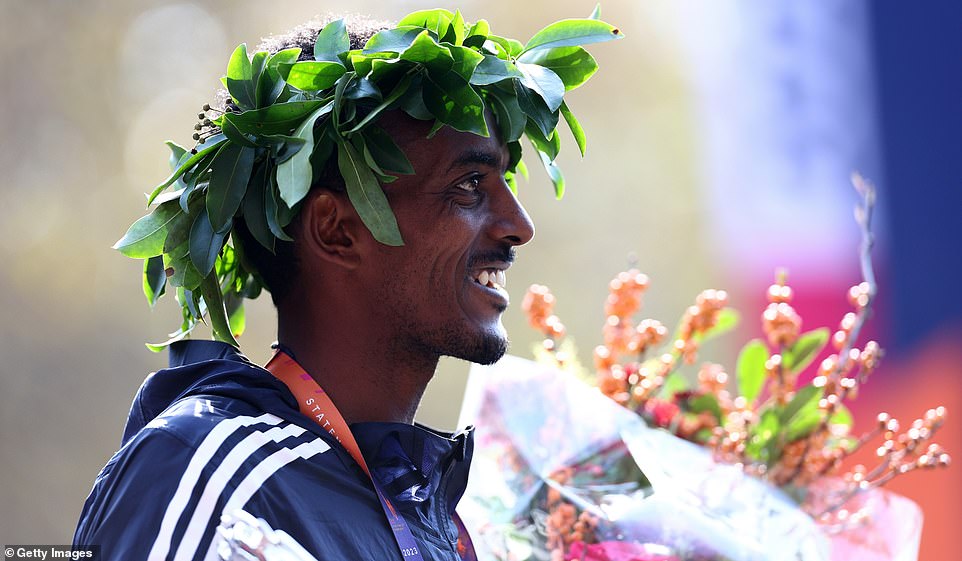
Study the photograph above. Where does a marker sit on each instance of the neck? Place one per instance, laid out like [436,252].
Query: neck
[368,378]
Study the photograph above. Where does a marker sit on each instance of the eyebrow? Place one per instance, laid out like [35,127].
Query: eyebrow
[475,156]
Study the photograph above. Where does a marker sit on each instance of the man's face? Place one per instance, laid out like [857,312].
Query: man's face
[442,291]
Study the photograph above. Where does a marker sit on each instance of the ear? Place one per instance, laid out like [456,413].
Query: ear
[329,229]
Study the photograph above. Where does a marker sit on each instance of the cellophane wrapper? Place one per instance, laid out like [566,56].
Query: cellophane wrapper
[655,497]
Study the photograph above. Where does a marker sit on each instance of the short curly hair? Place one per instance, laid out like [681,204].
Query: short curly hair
[277,270]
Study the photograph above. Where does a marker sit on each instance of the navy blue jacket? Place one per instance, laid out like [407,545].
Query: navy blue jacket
[214,433]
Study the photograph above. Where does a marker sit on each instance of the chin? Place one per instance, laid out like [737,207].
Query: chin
[484,347]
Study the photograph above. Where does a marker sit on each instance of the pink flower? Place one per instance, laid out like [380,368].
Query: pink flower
[616,551]
[662,412]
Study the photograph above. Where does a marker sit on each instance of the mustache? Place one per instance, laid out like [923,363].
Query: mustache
[505,254]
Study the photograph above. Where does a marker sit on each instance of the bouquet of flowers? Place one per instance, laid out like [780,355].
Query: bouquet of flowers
[636,463]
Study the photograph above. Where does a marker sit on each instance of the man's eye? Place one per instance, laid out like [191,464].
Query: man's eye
[470,184]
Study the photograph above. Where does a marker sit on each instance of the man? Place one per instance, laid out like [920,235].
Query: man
[363,319]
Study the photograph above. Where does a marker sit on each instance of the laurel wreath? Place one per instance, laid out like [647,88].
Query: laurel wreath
[287,118]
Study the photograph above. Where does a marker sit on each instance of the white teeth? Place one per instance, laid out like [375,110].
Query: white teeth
[483,278]
[502,278]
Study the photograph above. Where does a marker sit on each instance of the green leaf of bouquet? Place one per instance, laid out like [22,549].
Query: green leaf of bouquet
[281,118]
[706,402]
[386,153]
[392,40]
[145,237]
[184,273]
[294,175]
[546,83]
[174,337]
[806,396]
[466,60]
[362,88]
[205,244]
[457,29]
[230,173]
[576,131]
[573,32]
[574,65]
[412,102]
[311,75]
[219,324]
[210,146]
[536,109]
[841,416]
[426,51]
[282,146]
[511,119]
[762,434]
[258,71]
[454,102]
[286,56]
[436,20]
[331,42]
[367,196]
[239,66]
[596,13]
[554,172]
[805,349]
[492,70]
[155,279]
[254,207]
[750,369]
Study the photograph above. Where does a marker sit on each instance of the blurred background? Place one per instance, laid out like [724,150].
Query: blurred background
[721,139]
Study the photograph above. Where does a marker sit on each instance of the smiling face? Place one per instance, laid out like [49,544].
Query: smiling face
[442,293]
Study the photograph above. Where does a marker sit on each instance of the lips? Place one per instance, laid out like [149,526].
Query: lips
[493,280]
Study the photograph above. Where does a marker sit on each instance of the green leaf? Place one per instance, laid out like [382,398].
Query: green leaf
[239,80]
[155,279]
[234,134]
[554,172]
[805,349]
[185,274]
[510,46]
[237,319]
[392,40]
[178,154]
[546,83]
[294,175]
[806,396]
[465,61]
[596,13]
[276,119]
[705,402]
[254,207]
[215,309]
[436,20]
[549,146]
[674,383]
[145,237]
[576,131]
[574,65]
[572,32]
[261,82]
[511,119]
[477,34]
[386,152]
[211,145]
[230,173]
[535,108]
[274,211]
[841,416]
[424,50]
[751,369]
[310,75]
[762,435]
[361,88]
[205,244]
[454,102]
[456,31]
[492,70]
[399,90]
[367,196]
[331,42]
[727,320]
[174,337]
[363,64]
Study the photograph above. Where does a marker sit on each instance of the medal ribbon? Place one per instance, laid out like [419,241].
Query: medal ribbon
[316,404]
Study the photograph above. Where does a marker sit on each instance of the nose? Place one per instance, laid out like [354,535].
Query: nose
[511,221]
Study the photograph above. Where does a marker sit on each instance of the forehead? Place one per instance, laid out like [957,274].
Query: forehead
[446,148]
